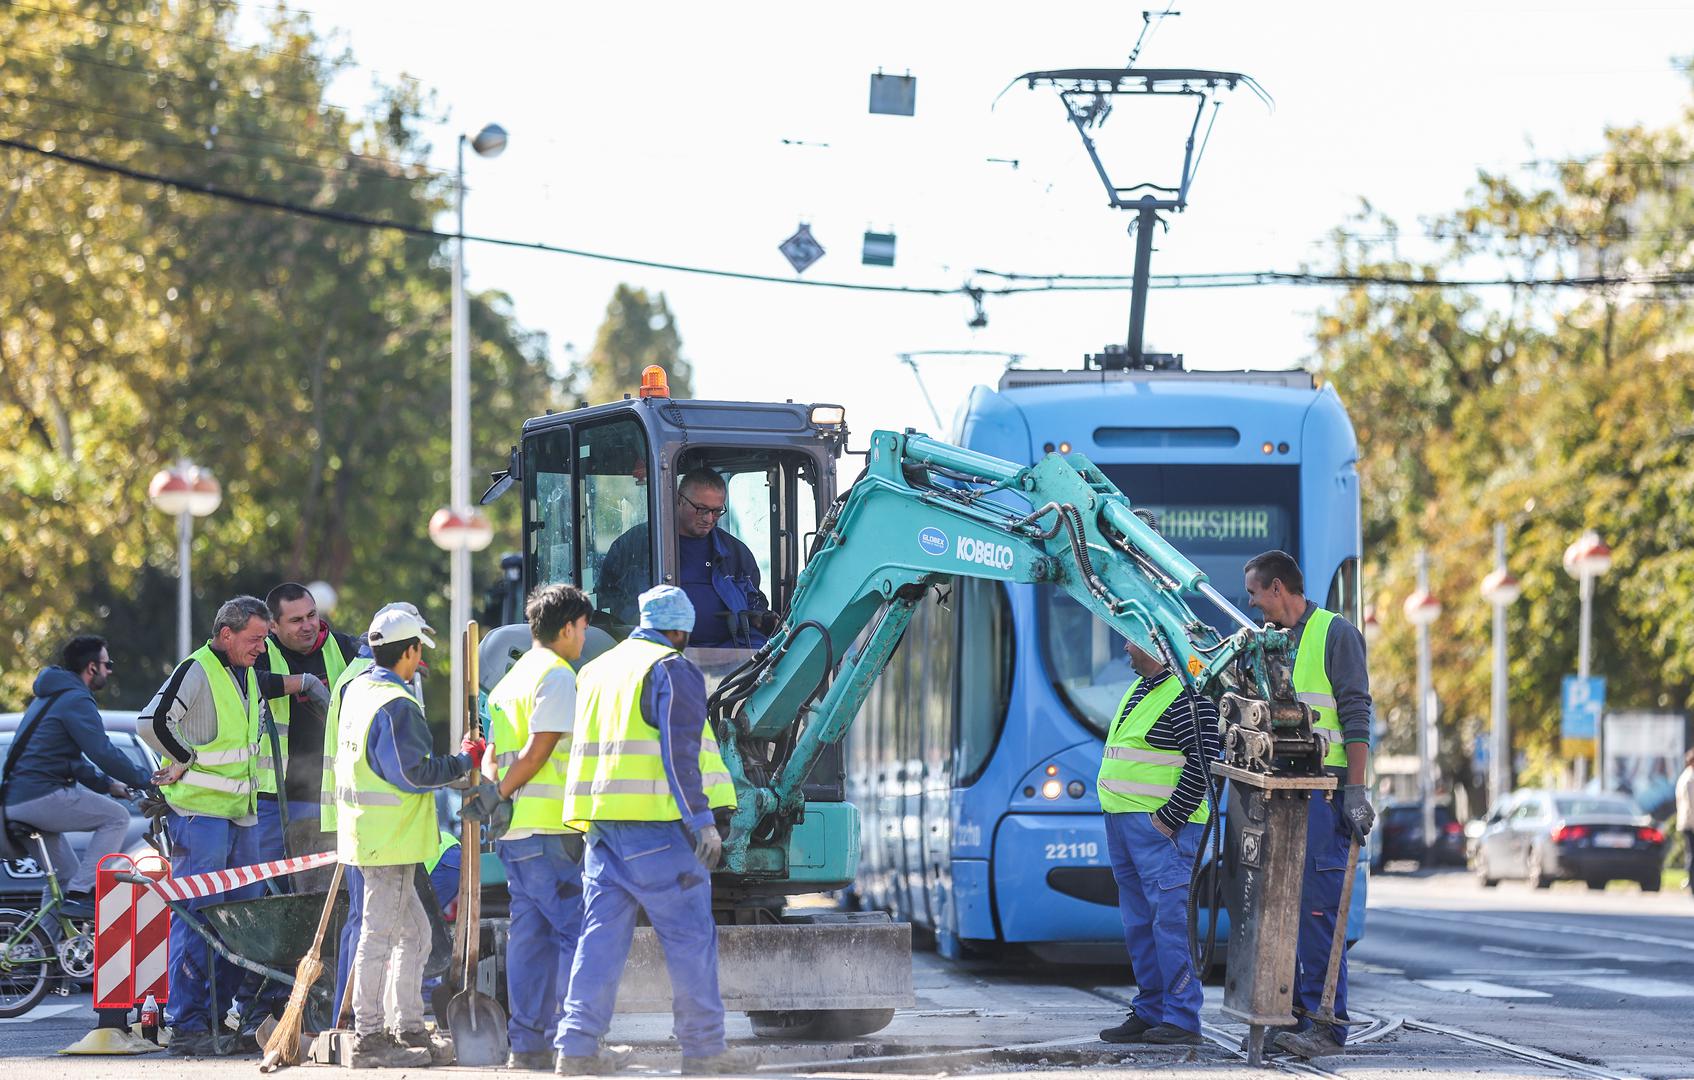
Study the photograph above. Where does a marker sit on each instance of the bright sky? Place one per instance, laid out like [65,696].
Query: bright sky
[655,131]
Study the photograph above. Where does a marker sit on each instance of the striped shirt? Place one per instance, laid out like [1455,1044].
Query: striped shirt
[1174,731]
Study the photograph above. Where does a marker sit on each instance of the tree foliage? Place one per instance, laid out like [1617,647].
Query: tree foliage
[638,330]
[305,362]
[1549,412]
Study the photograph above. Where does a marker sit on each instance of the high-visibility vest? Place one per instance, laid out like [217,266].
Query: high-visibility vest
[617,771]
[326,794]
[377,824]
[1135,776]
[219,781]
[1312,686]
[448,843]
[540,803]
[334,665]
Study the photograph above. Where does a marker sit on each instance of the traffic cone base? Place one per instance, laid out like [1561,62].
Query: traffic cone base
[110,1041]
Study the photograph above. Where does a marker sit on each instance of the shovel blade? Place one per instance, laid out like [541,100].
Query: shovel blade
[478,1025]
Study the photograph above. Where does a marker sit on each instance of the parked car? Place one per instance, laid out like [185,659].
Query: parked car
[1547,836]
[21,880]
[1401,827]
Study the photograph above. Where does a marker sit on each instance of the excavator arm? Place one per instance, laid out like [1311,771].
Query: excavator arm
[923,513]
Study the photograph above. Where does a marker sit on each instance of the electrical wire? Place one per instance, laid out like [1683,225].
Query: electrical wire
[1240,279]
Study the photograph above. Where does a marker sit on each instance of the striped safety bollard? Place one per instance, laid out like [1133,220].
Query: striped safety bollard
[114,962]
[152,935]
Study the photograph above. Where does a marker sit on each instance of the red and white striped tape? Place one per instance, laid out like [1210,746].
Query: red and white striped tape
[217,882]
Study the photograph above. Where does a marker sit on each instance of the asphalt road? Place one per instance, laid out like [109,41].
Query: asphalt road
[1606,978]
[1450,979]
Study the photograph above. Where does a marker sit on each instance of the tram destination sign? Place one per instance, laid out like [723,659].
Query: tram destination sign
[1221,524]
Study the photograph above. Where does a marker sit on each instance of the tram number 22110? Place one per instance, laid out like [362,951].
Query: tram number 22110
[1086,849]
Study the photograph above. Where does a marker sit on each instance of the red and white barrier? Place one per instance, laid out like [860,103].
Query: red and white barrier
[131,934]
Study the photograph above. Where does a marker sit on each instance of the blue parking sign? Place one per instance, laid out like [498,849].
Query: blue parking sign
[1584,701]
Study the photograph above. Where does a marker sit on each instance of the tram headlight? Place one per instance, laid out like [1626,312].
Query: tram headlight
[1051,789]
[1075,789]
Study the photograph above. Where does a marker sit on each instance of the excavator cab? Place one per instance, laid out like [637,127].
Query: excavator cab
[602,507]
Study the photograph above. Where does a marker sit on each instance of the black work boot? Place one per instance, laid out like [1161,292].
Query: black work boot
[609,1060]
[1171,1035]
[380,1050]
[1316,1041]
[440,1049]
[1131,1030]
[530,1061]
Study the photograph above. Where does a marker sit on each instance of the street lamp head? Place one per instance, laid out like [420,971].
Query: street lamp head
[1587,556]
[460,530]
[1501,588]
[1422,608]
[490,141]
[325,595]
[185,488]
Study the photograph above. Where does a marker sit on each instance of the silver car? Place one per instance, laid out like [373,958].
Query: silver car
[1547,836]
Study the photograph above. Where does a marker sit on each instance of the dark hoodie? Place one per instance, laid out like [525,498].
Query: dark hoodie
[68,735]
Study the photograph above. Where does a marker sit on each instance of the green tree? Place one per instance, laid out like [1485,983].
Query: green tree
[638,330]
[304,361]
[1547,411]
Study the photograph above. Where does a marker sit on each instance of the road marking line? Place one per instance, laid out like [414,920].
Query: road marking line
[1531,954]
[1545,928]
[42,1012]
[1532,976]
[1480,988]
[1653,988]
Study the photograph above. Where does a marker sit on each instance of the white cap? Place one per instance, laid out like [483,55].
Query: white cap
[399,622]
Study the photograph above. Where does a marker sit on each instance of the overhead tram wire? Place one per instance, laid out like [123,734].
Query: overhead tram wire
[1203,281]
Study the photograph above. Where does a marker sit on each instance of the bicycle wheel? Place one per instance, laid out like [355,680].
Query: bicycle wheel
[26,963]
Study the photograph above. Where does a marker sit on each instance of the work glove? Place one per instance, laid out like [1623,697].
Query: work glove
[708,847]
[474,745]
[1356,810]
[484,804]
[313,687]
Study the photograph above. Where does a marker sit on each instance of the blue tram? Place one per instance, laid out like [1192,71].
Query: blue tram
[973,761]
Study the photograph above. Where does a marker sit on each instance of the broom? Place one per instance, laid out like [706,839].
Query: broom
[284,1045]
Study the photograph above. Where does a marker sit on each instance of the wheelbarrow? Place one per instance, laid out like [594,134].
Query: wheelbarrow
[268,935]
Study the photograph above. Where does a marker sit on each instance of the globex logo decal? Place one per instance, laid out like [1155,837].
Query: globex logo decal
[933,541]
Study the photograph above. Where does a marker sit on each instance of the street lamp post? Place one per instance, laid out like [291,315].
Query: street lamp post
[489,142]
[459,533]
[1500,588]
[1587,558]
[1422,609]
[185,491]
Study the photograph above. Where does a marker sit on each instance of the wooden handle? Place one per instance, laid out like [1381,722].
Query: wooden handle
[329,909]
[470,845]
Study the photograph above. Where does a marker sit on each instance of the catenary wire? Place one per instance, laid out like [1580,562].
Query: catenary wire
[1218,280]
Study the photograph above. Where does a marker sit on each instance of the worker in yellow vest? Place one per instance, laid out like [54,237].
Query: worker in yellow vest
[531,711]
[300,642]
[385,774]
[646,778]
[327,817]
[204,723]
[1153,789]
[1330,676]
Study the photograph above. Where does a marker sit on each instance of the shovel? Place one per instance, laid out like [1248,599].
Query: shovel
[476,1020]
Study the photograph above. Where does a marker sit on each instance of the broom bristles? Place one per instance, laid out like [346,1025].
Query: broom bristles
[284,1045]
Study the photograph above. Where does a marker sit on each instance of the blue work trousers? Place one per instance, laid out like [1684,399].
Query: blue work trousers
[545,883]
[354,882]
[1320,900]
[650,866]
[198,844]
[1152,872]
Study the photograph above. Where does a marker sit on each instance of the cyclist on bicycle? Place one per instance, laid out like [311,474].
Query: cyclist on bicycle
[65,766]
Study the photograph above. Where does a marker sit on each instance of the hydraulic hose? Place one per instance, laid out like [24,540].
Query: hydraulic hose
[1204,954]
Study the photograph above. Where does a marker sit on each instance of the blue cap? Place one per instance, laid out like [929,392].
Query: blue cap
[666,607]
